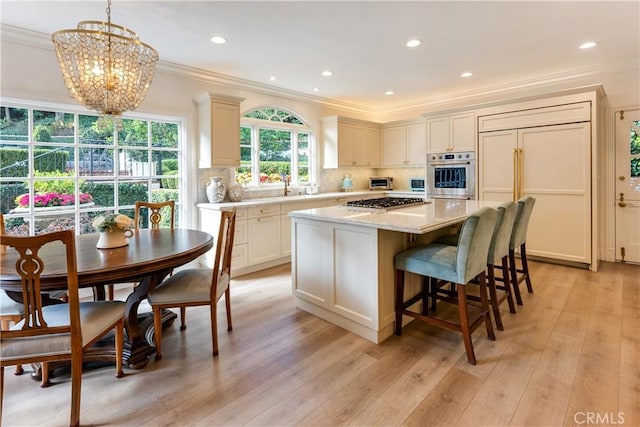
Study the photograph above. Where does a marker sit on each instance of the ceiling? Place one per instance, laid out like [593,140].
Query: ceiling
[363,43]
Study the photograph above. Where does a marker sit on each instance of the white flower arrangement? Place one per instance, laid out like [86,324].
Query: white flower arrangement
[112,222]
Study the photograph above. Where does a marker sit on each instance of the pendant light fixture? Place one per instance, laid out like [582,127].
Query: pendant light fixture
[105,66]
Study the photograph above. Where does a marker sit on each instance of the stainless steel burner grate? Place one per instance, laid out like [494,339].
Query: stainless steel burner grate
[385,203]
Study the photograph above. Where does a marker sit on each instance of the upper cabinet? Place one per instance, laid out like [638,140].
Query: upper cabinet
[404,144]
[349,142]
[452,133]
[219,130]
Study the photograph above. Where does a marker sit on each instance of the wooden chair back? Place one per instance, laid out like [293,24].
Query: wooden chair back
[224,248]
[30,267]
[155,216]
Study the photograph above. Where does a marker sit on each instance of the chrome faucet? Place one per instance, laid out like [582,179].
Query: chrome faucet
[285,178]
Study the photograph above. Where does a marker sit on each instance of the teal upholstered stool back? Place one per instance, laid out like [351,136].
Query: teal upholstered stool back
[458,264]
[521,224]
[473,244]
[499,247]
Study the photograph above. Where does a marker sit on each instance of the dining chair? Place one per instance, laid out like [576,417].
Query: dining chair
[518,243]
[457,265]
[59,331]
[497,258]
[155,214]
[198,286]
[10,310]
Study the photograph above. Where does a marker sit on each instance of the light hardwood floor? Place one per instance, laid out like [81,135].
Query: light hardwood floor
[571,354]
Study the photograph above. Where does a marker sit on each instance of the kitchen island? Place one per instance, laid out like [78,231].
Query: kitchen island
[343,259]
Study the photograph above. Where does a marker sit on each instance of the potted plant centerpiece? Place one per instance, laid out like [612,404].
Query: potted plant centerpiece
[114,230]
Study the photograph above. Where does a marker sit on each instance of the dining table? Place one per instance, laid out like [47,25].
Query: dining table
[149,256]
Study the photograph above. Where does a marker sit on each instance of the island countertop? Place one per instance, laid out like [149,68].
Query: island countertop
[419,219]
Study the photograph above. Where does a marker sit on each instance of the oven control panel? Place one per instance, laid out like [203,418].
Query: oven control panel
[452,157]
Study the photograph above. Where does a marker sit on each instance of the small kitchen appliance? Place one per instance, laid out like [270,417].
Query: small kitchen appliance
[417,184]
[381,183]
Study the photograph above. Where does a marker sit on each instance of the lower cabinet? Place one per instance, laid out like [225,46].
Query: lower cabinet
[264,229]
[345,274]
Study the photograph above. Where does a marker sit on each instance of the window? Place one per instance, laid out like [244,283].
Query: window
[59,170]
[273,143]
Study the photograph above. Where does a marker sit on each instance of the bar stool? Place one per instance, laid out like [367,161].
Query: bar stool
[518,241]
[497,258]
[458,265]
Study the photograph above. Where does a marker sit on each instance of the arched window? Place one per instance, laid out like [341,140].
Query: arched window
[275,144]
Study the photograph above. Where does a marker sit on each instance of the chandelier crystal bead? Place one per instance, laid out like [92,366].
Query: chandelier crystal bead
[105,66]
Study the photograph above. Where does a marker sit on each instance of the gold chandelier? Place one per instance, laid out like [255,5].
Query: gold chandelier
[105,66]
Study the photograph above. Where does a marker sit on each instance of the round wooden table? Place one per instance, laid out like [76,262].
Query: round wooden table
[150,256]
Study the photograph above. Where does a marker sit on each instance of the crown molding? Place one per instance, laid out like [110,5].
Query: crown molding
[494,93]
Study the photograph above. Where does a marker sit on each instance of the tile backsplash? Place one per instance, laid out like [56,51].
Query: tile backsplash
[330,180]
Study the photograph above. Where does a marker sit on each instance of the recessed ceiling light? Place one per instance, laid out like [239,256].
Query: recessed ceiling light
[327,73]
[315,89]
[414,43]
[588,45]
[389,92]
[272,78]
[466,74]
[218,40]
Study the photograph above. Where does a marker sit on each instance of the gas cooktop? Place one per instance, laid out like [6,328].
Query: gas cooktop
[384,203]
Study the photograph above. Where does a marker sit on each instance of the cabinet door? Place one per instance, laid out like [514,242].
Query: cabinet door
[394,151]
[556,171]
[225,134]
[264,239]
[373,147]
[285,228]
[416,144]
[345,144]
[496,167]
[463,132]
[438,131]
[360,145]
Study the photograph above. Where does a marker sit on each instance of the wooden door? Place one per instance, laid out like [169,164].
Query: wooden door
[627,201]
[438,134]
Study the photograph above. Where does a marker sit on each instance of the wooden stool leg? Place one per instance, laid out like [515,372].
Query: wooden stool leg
[525,267]
[464,324]
[433,286]
[494,298]
[399,301]
[507,285]
[514,276]
[484,302]
[425,283]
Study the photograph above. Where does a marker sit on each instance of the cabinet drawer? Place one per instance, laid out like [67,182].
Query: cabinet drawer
[239,256]
[241,213]
[264,210]
[240,235]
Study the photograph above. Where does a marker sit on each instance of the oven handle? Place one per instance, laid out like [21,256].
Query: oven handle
[449,164]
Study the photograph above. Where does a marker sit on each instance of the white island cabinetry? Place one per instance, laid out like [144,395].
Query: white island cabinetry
[343,260]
